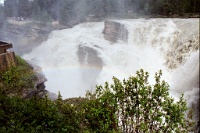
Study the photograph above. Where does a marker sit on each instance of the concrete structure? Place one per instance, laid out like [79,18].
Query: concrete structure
[7,58]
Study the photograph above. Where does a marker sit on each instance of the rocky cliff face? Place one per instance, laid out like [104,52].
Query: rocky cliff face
[39,86]
[23,38]
[26,35]
[114,31]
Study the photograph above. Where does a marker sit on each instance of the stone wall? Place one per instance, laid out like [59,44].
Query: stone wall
[114,31]
[7,59]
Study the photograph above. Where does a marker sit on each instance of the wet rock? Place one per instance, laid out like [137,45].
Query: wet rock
[40,88]
[89,56]
[114,31]
[91,65]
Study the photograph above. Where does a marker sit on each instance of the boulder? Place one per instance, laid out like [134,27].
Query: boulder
[114,31]
[89,56]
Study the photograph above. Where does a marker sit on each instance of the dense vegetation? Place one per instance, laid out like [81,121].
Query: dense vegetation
[130,105]
[17,79]
[76,11]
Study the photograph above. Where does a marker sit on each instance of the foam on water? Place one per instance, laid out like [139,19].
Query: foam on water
[150,44]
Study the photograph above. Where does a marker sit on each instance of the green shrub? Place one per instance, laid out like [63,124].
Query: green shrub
[17,79]
[142,108]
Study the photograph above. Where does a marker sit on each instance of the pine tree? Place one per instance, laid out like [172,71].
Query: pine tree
[11,8]
[2,16]
[24,8]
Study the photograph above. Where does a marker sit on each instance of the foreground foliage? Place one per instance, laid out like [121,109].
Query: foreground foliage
[128,106]
[17,79]
[141,108]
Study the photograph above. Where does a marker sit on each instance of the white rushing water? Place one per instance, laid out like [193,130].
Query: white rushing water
[153,44]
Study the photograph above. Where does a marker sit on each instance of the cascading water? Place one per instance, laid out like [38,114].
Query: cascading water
[153,44]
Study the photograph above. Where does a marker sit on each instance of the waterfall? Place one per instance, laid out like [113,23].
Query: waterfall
[69,57]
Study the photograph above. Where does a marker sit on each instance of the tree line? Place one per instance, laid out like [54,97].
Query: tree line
[77,11]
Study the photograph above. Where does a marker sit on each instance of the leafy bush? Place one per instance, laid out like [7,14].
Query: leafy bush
[17,79]
[99,116]
[140,107]
[35,115]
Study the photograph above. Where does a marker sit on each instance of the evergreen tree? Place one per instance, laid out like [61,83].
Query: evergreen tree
[68,12]
[24,8]
[95,9]
[11,8]
[2,16]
